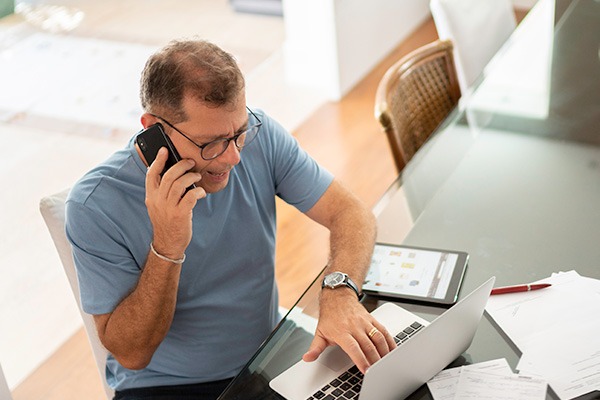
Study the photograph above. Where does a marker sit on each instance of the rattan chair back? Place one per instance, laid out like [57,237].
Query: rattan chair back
[414,96]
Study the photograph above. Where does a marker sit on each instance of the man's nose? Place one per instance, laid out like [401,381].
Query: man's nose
[231,155]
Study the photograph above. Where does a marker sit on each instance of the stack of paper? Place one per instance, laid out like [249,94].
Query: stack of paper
[558,331]
[490,380]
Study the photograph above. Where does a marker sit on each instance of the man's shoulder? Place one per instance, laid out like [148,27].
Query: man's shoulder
[270,124]
[118,173]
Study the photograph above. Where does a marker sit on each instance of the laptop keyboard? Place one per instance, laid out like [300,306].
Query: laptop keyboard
[348,384]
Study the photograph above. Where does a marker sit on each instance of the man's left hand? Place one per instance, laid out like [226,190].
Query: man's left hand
[345,322]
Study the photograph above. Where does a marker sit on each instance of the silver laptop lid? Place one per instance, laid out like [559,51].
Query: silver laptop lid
[409,366]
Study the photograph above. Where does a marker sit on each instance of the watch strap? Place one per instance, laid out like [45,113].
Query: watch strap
[350,283]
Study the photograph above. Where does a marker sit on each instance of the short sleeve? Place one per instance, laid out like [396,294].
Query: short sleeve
[299,180]
[106,269]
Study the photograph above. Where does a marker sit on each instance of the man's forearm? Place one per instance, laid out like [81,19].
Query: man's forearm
[342,319]
[135,329]
[352,238]
[352,228]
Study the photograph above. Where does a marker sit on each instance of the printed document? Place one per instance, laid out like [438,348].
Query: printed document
[477,385]
[557,330]
[573,369]
[488,380]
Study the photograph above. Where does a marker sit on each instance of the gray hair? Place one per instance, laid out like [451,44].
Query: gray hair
[189,67]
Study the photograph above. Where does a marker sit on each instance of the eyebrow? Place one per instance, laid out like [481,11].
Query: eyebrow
[243,127]
[225,135]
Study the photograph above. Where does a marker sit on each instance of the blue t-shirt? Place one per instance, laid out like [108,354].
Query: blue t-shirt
[227,302]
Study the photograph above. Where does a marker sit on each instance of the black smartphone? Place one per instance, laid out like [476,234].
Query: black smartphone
[151,139]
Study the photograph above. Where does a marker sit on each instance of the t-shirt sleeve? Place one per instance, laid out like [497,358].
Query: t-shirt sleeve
[106,270]
[299,179]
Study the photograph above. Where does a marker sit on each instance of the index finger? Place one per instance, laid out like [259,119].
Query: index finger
[156,168]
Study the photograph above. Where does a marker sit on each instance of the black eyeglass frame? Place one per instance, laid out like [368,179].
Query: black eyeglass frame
[234,138]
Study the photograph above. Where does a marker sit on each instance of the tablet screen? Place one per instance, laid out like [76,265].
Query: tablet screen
[413,273]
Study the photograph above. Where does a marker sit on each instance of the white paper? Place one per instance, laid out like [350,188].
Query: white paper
[570,300]
[443,385]
[573,368]
[558,331]
[478,385]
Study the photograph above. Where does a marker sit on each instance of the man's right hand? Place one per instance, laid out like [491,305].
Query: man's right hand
[170,208]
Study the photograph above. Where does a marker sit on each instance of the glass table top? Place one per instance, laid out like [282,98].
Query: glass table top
[512,177]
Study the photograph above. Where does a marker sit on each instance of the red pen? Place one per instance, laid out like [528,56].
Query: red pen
[520,288]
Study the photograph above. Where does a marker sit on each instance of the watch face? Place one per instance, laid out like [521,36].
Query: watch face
[334,279]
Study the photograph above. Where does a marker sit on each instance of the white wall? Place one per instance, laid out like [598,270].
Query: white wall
[332,44]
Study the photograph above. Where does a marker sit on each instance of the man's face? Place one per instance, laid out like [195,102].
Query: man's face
[204,125]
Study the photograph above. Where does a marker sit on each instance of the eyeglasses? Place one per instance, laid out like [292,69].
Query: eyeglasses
[212,150]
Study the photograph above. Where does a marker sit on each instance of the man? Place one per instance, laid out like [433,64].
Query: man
[181,283]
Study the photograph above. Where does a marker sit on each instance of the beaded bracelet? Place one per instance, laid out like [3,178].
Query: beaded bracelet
[180,261]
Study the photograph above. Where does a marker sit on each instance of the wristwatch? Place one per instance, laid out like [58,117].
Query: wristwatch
[339,279]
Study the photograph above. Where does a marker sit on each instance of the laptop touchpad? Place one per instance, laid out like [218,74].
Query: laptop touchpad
[333,357]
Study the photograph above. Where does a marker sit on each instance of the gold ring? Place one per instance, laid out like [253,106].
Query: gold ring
[372,332]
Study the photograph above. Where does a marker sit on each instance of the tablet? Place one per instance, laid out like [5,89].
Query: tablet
[416,273]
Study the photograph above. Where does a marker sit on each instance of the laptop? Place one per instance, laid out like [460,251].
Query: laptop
[423,350]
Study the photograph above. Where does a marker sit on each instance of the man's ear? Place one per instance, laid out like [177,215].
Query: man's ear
[148,119]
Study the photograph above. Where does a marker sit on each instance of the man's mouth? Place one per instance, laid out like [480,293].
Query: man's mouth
[217,174]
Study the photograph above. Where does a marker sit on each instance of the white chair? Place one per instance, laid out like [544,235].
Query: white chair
[4,390]
[478,28]
[53,210]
